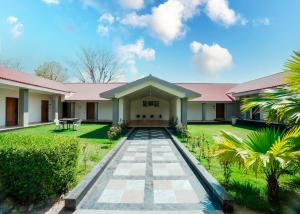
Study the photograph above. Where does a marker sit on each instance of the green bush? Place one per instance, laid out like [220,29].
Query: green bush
[33,168]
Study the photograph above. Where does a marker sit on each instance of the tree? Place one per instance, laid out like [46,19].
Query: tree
[52,70]
[11,63]
[268,150]
[96,66]
[284,102]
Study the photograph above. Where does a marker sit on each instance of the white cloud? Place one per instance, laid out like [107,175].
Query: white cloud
[105,22]
[51,1]
[167,20]
[102,30]
[210,59]
[134,20]
[261,21]
[107,17]
[17,26]
[12,20]
[129,53]
[219,11]
[132,4]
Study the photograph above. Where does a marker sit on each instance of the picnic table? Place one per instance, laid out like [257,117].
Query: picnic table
[68,122]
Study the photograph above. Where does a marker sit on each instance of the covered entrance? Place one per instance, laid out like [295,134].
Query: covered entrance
[149,102]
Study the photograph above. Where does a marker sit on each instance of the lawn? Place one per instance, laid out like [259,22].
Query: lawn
[245,187]
[94,144]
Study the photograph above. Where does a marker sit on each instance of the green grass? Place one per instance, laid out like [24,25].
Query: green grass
[93,137]
[245,187]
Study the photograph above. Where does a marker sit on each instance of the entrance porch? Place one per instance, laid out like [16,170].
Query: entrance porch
[149,102]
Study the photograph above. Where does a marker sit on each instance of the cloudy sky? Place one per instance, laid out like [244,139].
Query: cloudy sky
[178,40]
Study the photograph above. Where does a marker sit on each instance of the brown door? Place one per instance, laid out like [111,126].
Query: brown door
[90,111]
[220,110]
[11,111]
[45,111]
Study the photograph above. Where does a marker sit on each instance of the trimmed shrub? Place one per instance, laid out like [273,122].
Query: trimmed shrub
[33,168]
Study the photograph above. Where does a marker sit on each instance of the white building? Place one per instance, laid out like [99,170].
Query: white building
[26,99]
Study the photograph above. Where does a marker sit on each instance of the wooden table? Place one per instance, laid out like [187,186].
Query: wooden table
[68,121]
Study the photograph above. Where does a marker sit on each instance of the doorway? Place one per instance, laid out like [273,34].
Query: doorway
[45,111]
[220,109]
[90,111]
[11,111]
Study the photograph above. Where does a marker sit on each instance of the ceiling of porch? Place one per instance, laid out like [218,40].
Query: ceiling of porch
[150,91]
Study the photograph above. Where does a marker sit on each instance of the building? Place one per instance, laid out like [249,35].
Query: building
[26,99]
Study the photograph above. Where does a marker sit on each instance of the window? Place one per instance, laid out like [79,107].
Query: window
[150,103]
[145,103]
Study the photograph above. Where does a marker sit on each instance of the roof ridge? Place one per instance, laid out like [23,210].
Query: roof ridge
[263,77]
[90,83]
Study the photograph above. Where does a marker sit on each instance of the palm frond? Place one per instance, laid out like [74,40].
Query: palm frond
[293,69]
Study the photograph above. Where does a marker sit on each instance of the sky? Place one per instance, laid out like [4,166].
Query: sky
[176,40]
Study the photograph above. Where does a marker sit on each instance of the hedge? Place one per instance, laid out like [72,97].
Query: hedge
[33,168]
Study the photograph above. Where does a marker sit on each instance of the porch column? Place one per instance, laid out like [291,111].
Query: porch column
[55,107]
[72,109]
[203,111]
[184,111]
[178,110]
[23,107]
[115,111]
[121,110]
[96,111]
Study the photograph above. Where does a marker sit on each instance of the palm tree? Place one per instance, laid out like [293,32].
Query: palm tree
[281,103]
[268,150]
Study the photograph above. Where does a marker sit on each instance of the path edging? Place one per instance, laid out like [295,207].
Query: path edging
[74,197]
[211,183]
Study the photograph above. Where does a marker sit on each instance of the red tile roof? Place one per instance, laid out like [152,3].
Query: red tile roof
[210,92]
[29,79]
[271,81]
[89,91]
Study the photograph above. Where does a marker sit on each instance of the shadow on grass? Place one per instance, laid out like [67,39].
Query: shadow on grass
[100,133]
[248,195]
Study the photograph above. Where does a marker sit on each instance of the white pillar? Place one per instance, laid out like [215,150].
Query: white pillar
[178,110]
[121,109]
[55,107]
[24,107]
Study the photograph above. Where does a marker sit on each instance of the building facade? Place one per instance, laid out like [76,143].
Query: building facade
[26,99]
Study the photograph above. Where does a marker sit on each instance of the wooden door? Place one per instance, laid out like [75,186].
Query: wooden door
[90,111]
[11,111]
[220,108]
[45,111]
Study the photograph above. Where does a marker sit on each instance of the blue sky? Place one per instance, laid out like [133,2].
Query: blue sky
[177,40]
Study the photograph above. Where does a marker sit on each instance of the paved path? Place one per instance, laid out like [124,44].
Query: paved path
[149,174]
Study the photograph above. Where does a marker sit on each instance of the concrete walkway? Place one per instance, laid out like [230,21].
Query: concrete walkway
[149,174]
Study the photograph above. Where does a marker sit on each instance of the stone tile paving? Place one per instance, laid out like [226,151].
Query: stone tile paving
[148,173]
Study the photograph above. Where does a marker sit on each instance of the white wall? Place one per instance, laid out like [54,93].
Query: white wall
[194,111]
[136,107]
[105,110]
[80,110]
[3,94]
[35,106]
[210,111]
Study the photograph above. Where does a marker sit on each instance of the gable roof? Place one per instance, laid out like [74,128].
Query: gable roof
[89,91]
[210,92]
[32,80]
[149,81]
[271,81]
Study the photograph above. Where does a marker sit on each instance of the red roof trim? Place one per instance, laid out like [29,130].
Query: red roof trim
[33,84]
